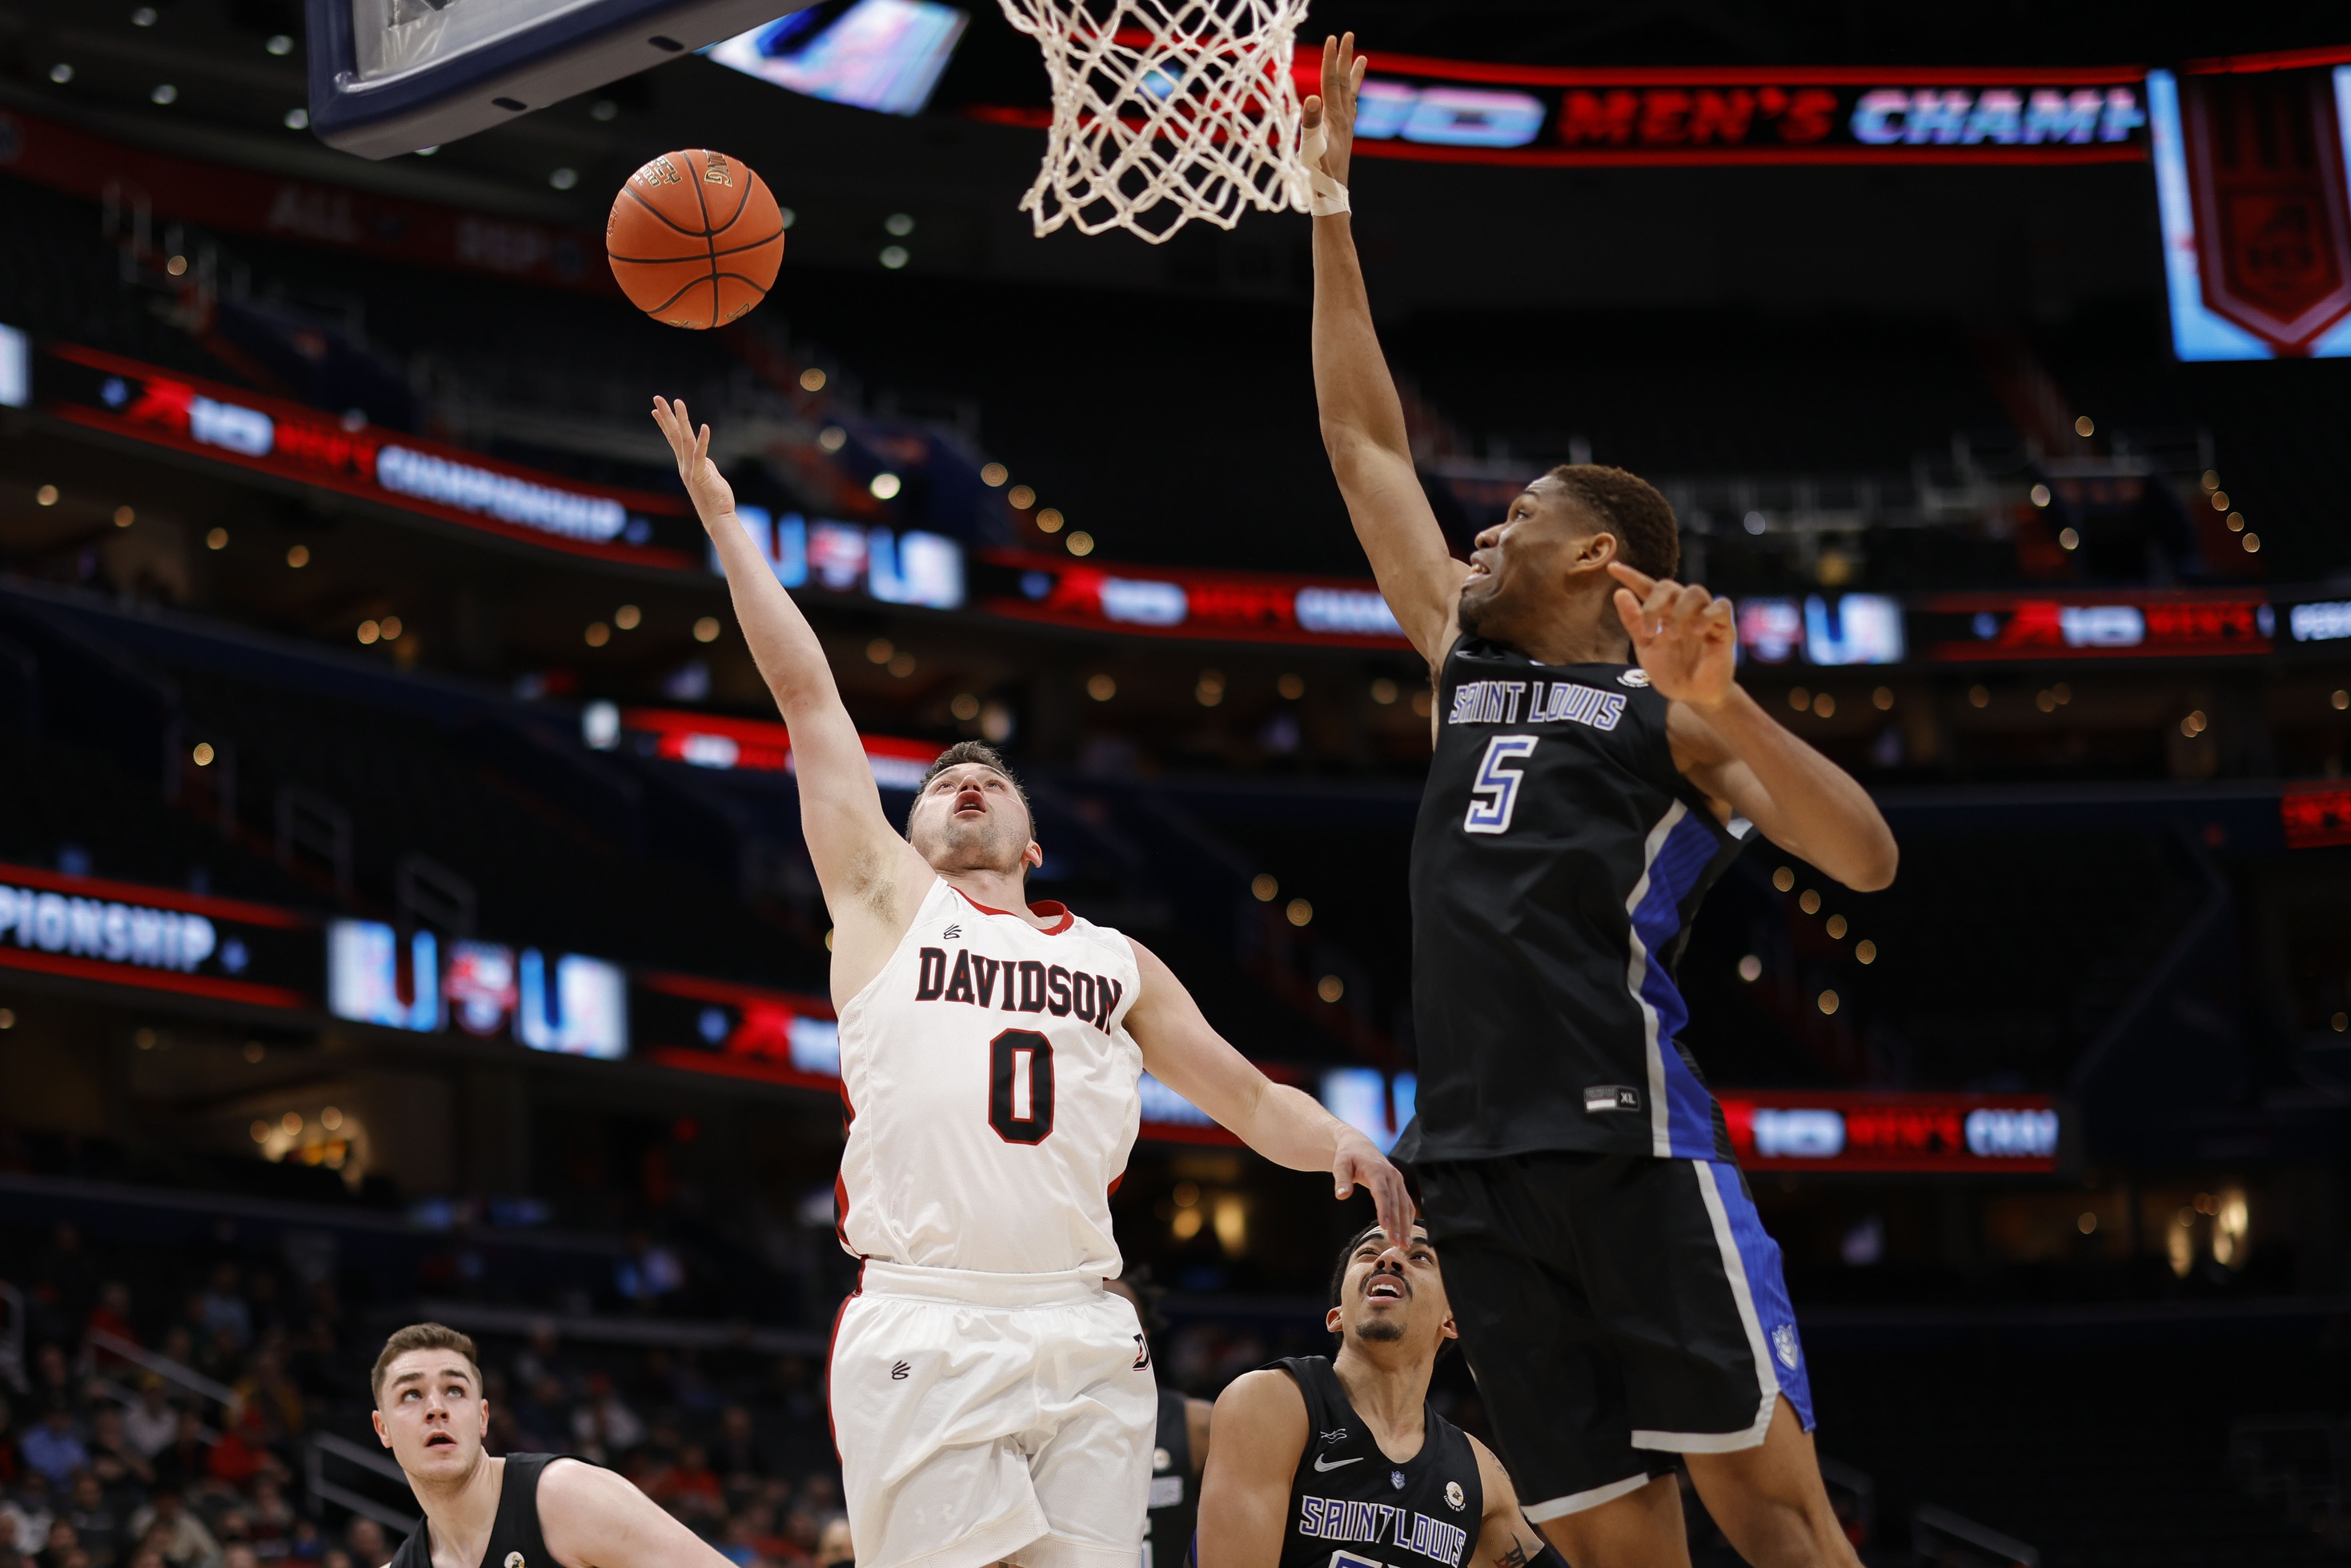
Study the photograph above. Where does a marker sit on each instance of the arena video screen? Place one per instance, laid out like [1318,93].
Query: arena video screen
[882,55]
[2256,211]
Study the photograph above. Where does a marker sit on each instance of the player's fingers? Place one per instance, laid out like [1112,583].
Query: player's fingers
[1686,606]
[702,449]
[1355,77]
[1628,610]
[1638,581]
[1658,607]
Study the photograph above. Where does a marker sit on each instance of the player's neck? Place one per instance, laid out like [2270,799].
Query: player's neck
[1389,1389]
[1581,633]
[461,1512]
[992,890]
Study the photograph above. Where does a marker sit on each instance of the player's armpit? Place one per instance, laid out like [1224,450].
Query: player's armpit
[1260,1426]
[1505,1539]
[593,1518]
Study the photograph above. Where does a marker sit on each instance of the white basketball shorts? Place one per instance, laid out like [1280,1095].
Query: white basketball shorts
[991,1418]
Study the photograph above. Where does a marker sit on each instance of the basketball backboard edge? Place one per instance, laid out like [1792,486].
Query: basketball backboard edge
[545,62]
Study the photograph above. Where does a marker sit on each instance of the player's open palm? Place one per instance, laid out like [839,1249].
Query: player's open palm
[1682,635]
[713,495]
[1332,112]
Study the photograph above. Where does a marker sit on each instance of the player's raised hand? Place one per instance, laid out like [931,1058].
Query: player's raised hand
[1357,1161]
[1682,635]
[1333,110]
[713,495]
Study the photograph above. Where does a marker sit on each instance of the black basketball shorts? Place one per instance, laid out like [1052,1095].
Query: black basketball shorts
[1613,1308]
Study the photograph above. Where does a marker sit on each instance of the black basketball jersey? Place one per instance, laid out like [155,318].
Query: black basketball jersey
[1351,1506]
[515,1540]
[1175,1500]
[1557,863]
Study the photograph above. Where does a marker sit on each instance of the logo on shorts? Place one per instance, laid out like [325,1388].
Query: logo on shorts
[1601,1098]
[1785,1345]
[1395,1479]
[1635,676]
[898,1372]
[1453,1497]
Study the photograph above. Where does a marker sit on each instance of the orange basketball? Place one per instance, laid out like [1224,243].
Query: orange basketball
[695,239]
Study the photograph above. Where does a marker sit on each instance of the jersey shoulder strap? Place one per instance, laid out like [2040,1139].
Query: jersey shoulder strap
[517,1540]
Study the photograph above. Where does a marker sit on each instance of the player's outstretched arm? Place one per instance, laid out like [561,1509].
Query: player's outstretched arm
[866,869]
[1505,1539]
[1362,419]
[1182,1051]
[595,1518]
[1728,745]
[1260,1426]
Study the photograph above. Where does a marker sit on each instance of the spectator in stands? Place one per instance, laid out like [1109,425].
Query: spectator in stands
[267,1393]
[272,1519]
[692,1493]
[184,1462]
[140,1557]
[26,1518]
[739,1459]
[542,1417]
[64,1548]
[239,1556]
[98,1524]
[52,1380]
[152,1423]
[222,1308]
[114,1459]
[112,1314]
[834,1548]
[52,1448]
[604,1427]
[236,1459]
[365,1542]
[167,1525]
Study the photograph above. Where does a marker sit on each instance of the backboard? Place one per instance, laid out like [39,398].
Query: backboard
[388,77]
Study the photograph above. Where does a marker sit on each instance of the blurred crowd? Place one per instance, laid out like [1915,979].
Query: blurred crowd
[169,1428]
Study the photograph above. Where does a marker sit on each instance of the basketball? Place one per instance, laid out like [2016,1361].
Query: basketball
[695,239]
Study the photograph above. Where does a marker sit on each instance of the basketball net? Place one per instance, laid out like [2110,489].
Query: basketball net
[1165,111]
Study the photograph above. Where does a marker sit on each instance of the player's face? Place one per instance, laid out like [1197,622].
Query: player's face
[431,1414]
[1393,1295]
[970,818]
[1520,569]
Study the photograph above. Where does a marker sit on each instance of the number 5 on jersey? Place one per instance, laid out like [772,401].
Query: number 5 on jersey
[1495,795]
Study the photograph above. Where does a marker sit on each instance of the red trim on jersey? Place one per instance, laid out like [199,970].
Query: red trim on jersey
[1114,1182]
[832,1340]
[1047,910]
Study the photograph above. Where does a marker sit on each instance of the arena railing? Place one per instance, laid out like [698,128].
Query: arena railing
[1938,1535]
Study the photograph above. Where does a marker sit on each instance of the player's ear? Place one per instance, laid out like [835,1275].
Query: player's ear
[383,1436]
[1332,1321]
[1446,1328]
[1033,857]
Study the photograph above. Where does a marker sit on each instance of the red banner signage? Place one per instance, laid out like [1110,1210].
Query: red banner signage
[2316,815]
[1971,627]
[1796,1130]
[1256,607]
[127,934]
[293,441]
[246,201]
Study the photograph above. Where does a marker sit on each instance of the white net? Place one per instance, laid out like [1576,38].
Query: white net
[1165,111]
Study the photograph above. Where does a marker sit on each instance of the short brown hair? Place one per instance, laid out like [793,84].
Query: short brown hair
[986,756]
[422,1336]
[1649,539]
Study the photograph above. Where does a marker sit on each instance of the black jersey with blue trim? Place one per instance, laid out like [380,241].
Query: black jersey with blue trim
[1558,861]
[1351,1506]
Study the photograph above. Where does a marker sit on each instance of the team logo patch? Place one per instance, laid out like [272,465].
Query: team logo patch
[1395,1479]
[514,1560]
[898,1372]
[1635,676]
[1453,1497]
[1785,1345]
[1601,1098]
[1162,1460]
[951,932]
[1338,1436]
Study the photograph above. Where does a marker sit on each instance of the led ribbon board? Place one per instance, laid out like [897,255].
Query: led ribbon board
[127,934]
[293,441]
[1983,1134]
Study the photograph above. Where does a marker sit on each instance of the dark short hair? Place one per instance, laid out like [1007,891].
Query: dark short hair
[1649,539]
[422,1336]
[986,756]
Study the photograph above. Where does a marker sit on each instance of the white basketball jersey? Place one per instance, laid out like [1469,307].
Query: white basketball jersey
[993,1094]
